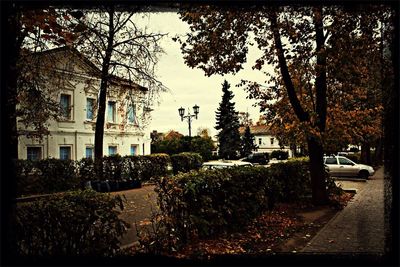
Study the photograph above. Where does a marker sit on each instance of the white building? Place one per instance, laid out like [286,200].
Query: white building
[72,137]
[265,141]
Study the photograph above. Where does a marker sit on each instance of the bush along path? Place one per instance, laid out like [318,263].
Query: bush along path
[246,211]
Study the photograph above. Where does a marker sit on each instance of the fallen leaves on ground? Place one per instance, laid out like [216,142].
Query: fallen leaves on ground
[261,236]
[266,234]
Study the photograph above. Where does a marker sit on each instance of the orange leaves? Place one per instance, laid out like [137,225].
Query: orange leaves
[263,235]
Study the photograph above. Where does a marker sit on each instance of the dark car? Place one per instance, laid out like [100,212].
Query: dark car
[257,158]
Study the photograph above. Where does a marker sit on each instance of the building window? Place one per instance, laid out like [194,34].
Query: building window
[272,140]
[89,108]
[65,152]
[112,150]
[331,160]
[133,150]
[65,105]
[34,153]
[111,111]
[259,141]
[131,113]
[89,152]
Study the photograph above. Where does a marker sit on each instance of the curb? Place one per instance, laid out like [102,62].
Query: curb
[350,179]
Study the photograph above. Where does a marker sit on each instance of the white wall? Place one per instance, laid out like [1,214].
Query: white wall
[266,145]
[79,133]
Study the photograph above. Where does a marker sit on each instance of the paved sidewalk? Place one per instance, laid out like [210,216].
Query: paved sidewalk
[139,206]
[359,227]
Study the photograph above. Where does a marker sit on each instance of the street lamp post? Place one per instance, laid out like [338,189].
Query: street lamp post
[189,116]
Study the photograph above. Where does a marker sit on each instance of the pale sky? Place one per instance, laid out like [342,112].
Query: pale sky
[190,86]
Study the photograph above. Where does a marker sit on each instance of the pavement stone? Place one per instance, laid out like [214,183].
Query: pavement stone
[359,227]
[140,204]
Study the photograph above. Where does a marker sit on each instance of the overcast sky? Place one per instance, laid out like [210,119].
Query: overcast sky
[190,86]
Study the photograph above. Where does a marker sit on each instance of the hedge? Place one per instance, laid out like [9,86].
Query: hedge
[207,202]
[118,173]
[295,177]
[186,161]
[70,224]
[46,176]
[279,154]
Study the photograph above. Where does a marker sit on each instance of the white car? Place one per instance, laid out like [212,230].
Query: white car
[340,166]
[220,164]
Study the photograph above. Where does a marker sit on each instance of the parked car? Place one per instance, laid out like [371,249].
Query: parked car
[340,166]
[257,158]
[220,164]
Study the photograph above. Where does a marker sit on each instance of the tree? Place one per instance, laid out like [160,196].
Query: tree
[354,107]
[176,144]
[228,125]
[244,119]
[294,41]
[203,132]
[119,47]
[202,145]
[248,143]
[19,23]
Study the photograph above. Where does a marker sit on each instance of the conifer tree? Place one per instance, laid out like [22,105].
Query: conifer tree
[248,144]
[228,125]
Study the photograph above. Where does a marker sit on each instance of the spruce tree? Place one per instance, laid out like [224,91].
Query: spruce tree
[248,144]
[228,125]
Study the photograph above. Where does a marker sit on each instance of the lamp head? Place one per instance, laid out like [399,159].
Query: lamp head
[196,110]
[181,111]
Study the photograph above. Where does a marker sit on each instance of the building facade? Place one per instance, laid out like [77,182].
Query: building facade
[71,136]
[265,141]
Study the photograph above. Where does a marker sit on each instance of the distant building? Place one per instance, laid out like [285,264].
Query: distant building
[172,135]
[265,140]
[156,136]
[72,137]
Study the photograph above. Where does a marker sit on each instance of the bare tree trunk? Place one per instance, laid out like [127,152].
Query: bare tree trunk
[317,172]
[320,195]
[99,132]
[366,153]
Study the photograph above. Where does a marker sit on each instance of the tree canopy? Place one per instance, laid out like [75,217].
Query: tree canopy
[302,45]
[119,47]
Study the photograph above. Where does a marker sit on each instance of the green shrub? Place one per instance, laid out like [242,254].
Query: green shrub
[72,223]
[46,176]
[279,154]
[146,167]
[112,168]
[295,177]
[207,202]
[27,180]
[86,169]
[186,161]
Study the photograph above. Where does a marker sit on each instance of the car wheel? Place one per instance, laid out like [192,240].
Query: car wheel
[363,174]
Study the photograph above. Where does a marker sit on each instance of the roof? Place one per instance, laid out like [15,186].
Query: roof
[257,129]
[114,78]
[172,135]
